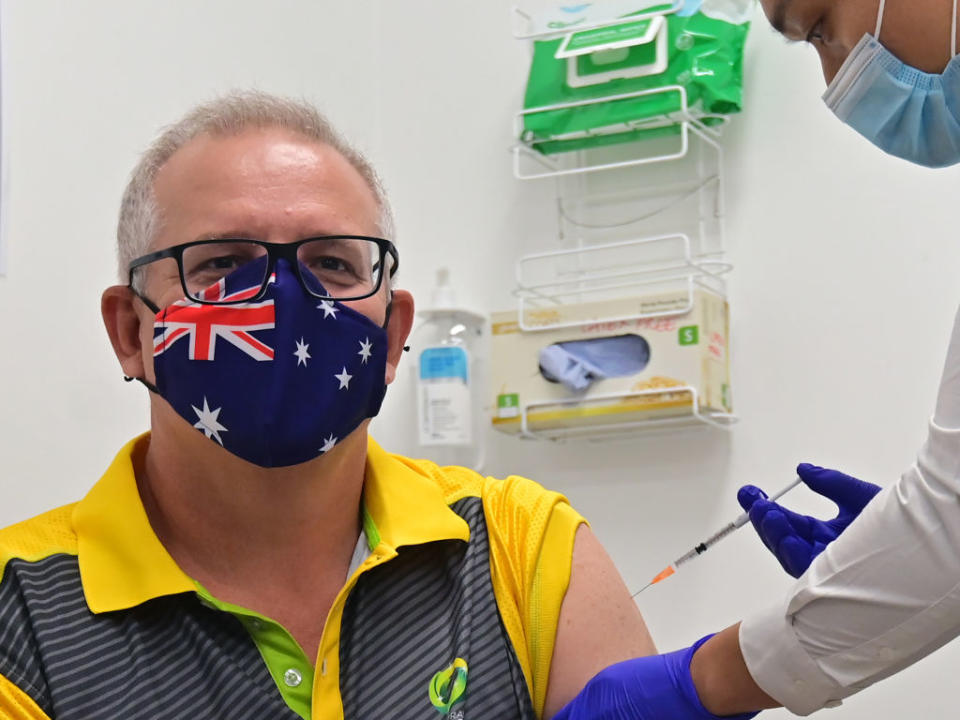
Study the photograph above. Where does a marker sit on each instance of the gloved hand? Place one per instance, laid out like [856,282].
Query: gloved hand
[658,687]
[794,539]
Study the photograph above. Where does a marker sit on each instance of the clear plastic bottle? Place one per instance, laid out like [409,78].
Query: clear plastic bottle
[449,347]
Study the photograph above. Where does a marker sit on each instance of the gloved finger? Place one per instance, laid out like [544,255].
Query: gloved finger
[775,528]
[792,552]
[771,525]
[795,555]
[803,526]
[757,513]
[748,495]
[847,492]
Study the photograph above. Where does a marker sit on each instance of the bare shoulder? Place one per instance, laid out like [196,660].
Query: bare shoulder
[599,623]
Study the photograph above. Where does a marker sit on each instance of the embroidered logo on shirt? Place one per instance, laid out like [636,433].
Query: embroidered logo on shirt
[448,687]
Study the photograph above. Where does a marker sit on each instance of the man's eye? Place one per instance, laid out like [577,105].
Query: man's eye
[222,263]
[330,263]
[214,268]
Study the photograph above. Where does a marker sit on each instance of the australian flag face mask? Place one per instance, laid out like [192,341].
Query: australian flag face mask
[276,381]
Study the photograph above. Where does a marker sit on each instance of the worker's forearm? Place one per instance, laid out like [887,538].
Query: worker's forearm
[720,675]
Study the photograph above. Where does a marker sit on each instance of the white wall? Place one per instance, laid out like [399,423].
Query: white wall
[842,298]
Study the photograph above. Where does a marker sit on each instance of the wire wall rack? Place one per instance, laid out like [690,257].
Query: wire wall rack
[634,217]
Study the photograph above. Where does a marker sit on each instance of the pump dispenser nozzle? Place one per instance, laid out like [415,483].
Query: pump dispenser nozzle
[444,296]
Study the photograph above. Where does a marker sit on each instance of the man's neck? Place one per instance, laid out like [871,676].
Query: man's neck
[231,524]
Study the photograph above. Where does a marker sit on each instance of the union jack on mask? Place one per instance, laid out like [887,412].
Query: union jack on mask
[276,381]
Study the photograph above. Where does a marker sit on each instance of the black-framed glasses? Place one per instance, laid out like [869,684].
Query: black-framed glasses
[329,267]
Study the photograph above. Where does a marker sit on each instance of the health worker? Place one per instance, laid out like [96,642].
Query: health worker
[856,615]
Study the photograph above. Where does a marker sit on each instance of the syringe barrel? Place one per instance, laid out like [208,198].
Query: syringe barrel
[720,535]
[685,557]
[705,545]
[726,530]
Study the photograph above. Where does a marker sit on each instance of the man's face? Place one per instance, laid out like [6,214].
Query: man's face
[267,185]
[916,31]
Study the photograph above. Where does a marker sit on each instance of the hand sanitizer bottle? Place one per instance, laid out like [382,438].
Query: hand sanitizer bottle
[449,346]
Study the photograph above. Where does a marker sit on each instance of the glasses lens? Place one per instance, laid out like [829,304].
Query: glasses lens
[344,268]
[206,264]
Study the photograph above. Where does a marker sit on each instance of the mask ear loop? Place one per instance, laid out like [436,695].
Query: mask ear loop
[953,32]
[146,383]
[126,378]
[876,33]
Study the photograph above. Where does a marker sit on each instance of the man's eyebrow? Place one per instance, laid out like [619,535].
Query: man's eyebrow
[231,235]
[778,18]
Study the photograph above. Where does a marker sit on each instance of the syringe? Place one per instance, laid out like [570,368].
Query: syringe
[741,520]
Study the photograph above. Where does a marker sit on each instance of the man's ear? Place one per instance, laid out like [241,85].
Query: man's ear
[398,329]
[123,326]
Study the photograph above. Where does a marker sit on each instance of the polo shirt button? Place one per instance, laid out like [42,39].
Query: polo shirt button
[292,677]
[256,624]
[323,667]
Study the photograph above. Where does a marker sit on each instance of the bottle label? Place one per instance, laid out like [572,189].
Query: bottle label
[444,397]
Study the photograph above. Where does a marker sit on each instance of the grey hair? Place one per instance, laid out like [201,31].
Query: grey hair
[223,117]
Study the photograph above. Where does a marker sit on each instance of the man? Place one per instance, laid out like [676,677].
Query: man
[887,593]
[256,555]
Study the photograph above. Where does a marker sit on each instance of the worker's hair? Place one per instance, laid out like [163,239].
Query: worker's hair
[229,115]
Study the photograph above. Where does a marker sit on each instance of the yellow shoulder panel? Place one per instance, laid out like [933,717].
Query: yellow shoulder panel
[16,704]
[39,537]
[454,482]
[531,550]
[550,583]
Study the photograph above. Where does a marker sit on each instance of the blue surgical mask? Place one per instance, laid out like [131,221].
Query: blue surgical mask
[904,111]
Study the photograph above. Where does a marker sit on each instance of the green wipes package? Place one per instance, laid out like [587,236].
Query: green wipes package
[631,70]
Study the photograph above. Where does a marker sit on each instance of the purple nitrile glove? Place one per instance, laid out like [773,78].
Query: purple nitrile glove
[657,687]
[794,539]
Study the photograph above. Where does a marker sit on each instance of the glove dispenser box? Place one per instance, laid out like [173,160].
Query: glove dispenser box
[572,370]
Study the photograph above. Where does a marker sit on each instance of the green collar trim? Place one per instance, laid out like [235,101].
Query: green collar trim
[286,661]
[370,529]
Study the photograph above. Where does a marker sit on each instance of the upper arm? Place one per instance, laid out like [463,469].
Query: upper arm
[599,623]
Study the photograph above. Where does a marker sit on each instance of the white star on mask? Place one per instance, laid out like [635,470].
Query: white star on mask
[301,352]
[365,353]
[208,422]
[344,379]
[328,443]
[328,309]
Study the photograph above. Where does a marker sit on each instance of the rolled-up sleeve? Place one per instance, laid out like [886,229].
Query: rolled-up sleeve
[885,594]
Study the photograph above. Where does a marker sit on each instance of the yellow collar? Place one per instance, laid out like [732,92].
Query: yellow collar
[406,505]
[123,563]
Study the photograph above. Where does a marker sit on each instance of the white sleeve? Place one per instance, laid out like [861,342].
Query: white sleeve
[884,594]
